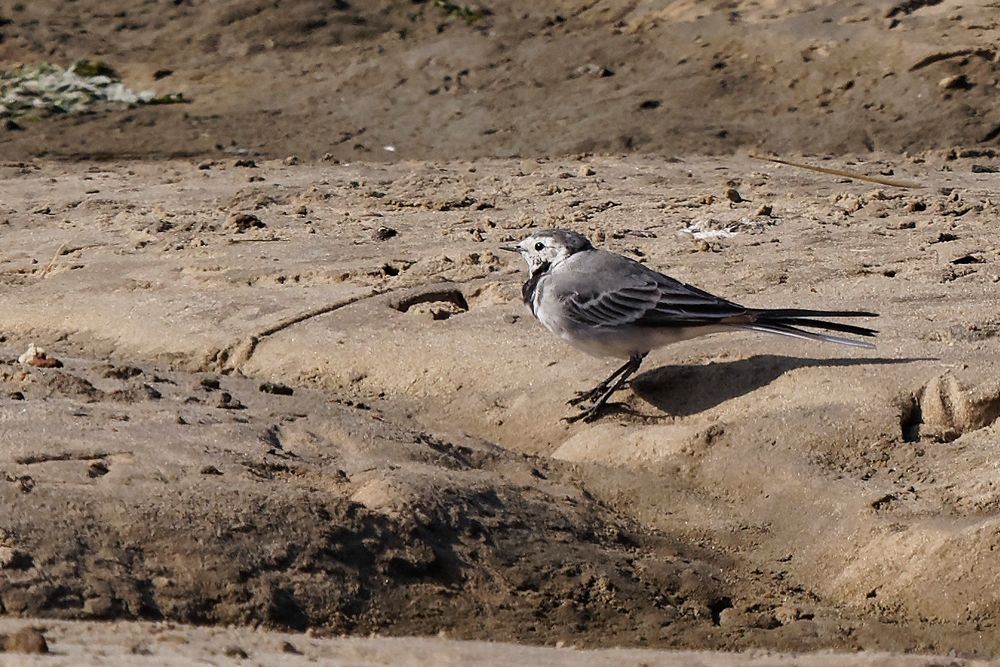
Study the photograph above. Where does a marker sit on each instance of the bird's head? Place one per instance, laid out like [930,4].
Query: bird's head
[550,247]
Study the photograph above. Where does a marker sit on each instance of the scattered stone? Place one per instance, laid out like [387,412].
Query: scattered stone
[276,388]
[121,372]
[25,640]
[764,211]
[101,606]
[585,170]
[733,195]
[142,392]
[210,384]
[241,222]
[384,233]
[955,82]
[36,356]
[289,647]
[246,163]
[207,164]
[210,470]
[291,160]
[235,652]
[11,126]
[984,169]
[162,74]
[97,469]
[593,69]
[13,559]
[302,210]
[647,105]
[786,614]
[228,402]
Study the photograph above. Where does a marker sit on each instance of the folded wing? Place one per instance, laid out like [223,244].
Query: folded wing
[651,300]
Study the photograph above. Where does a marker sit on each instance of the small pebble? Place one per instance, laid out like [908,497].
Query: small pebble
[26,640]
[241,222]
[384,233]
[276,388]
[210,384]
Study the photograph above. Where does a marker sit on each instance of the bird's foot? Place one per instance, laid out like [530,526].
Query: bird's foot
[589,395]
[588,415]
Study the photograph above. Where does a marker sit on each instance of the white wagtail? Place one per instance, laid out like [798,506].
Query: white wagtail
[611,306]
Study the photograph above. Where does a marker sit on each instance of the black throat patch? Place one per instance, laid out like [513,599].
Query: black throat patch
[531,286]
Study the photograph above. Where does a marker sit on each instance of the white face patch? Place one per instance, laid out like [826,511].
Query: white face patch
[537,250]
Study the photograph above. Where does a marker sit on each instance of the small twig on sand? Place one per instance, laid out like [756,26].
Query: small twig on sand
[254,240]
[842,172]
[52,262]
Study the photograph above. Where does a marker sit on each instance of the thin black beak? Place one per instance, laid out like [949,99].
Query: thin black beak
[510,248]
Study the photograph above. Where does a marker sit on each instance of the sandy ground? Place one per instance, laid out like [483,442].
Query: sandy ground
[315,77]
[290,383]
[171,645]
[407,472]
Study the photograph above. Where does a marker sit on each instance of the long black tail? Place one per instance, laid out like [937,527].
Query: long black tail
[786,322]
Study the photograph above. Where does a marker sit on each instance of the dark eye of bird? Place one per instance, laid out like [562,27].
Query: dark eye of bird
[539,246]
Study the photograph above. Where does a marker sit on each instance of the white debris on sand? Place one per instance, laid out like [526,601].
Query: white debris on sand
[49,89]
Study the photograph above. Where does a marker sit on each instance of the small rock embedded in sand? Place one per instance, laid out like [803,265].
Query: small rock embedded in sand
[289,647]
[291,160]
[384,234]
[210,384]
[235,652]
[210,470]
[36,356]
[246,164]
[228,402]
[97,469]
[121,372]
[585,170]
[276,388]
[13,559]
[786,614]
[593,69]
[955,82]
[241,222]
[26,640]
[733,195]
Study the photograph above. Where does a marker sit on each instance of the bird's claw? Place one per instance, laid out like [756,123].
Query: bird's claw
[584,396]
[586,416]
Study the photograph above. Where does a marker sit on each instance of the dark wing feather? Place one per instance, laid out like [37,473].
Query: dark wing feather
[647,298]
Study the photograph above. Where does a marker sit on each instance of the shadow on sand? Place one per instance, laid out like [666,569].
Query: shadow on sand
[689,389]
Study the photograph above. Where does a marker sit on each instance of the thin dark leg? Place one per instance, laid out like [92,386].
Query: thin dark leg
[593,394]
[593,412]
